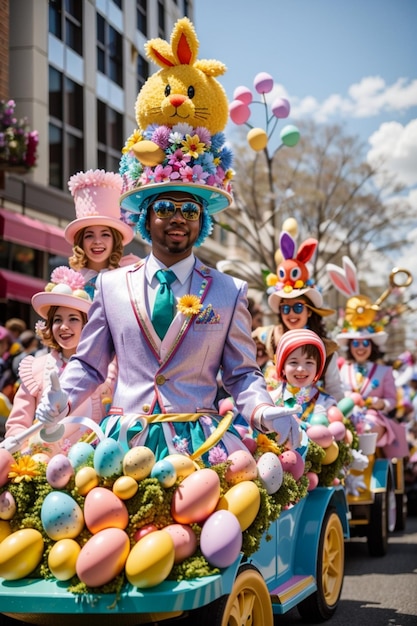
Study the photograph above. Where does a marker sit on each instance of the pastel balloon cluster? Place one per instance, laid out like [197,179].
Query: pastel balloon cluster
[240,113]
[85,518]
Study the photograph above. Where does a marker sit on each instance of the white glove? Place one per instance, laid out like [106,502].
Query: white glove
[54,403]
[11,444]
[281,420]
[360,461]
[354,484]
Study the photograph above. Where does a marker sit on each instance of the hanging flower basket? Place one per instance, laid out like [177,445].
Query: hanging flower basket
[18,144]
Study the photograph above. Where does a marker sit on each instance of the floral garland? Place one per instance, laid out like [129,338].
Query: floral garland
[18,144]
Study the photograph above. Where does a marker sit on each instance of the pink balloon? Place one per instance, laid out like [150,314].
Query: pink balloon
[281,108]
[243,94]
[263,82]
[239,112]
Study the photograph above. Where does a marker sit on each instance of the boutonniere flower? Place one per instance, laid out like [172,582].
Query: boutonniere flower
[189,305]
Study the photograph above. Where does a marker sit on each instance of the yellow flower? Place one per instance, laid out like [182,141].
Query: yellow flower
[193,146]
[271,280]
[265,444]
[189,305]
[25,469]
[134,138]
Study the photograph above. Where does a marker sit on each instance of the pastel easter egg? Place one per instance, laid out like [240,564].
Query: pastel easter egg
[281,108]
[356,398]
[62,558]
[86,479]
[41,457]
[183,465]
[6,461]
[108,458]
[150,560]
[148,153]
[292,462]
[59,471]
[80,453]
[138,462]
[321,435]
[290,135]
[61,516]
[313,480]
[221,539]
[144,530]
[7,505]
[332,452]
[62,288]
[196,497]
[338,430]
[243,94]
[5,529]
[263,82]
[242,467]
[185,541]
[243,500]
[348,437]
[165,473]
[334,414]
[318,419]
[239,112]
[125,487]
[103,509]
[21,552]
[270,472]
[103,557]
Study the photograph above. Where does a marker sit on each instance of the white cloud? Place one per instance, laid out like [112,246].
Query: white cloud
[396,146]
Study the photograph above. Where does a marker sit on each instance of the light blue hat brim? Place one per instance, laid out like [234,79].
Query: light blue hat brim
[217,199]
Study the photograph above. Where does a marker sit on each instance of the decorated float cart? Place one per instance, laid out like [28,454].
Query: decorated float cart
[376,493]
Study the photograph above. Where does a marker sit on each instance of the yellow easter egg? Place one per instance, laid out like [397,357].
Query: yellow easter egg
[21,552]
[243,500]
[290,226]
[138,462]
[125,487]
[150,560]
[5,529]
[332,452]
[63,557]
[86,479]
[183,465]
[148,152]
[257,139]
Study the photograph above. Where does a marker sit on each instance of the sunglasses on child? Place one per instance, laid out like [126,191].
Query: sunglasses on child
[298,308]
[167,208]
[361,342]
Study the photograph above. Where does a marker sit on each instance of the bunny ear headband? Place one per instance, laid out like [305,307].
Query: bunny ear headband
[360,319]
[293,277]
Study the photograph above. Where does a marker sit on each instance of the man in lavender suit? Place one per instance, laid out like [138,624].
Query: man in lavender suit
[175,374]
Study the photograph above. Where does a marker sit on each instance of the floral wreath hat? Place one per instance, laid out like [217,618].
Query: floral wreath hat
[179,144]
[292,279]
[360,319]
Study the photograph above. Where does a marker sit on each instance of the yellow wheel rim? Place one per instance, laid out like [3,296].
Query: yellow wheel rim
[333,560]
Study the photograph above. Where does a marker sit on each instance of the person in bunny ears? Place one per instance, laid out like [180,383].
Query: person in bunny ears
[363,375]
[64,306]
[98,234]
[293,296]
[176,173]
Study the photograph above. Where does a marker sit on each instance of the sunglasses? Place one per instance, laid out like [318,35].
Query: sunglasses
[361,342]
[167,208]
[298,308]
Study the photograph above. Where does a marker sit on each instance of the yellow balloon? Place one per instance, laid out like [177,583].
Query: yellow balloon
[257,139]
[290,226]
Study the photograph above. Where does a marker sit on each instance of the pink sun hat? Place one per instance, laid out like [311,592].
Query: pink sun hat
[66,288]
[97,203]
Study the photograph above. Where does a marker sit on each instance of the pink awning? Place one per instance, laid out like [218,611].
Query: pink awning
[33,233]
[14,286]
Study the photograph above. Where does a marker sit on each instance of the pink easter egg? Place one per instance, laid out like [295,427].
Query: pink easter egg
[281,108]
[242,467]
[185,541]
[357,399]
[196,497]
[338,430]
[243,94]
[145,530]
[6,461]
[103,509]
[103,557]
[313,480]
[239,112]
[292,462]
[321,435]
[263,82]
[334,414]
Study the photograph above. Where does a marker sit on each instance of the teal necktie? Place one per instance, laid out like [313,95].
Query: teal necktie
[163,310]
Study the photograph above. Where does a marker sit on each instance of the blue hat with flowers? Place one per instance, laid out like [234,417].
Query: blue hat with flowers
[179,144]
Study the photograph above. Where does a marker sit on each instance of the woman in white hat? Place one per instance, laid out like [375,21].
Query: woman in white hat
[64,306]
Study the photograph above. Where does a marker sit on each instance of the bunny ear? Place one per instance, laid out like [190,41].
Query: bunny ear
[184,42]
[351,275]
[159,51]
[287,245]
[306,250]
[338,279]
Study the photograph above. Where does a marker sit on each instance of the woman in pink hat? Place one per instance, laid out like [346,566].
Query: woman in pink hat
[64,306]
[97,235]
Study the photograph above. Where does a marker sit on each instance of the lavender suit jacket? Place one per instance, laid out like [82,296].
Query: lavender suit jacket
[180,374]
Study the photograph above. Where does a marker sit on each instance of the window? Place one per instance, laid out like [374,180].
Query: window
[141,16]
[110,139]
[109,51]
[142,71]
[65,22]
[161,19]
[66,127]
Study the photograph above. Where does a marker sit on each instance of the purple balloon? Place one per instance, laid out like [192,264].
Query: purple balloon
[243,94]
[239,112]
[263,82]
[281,108]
